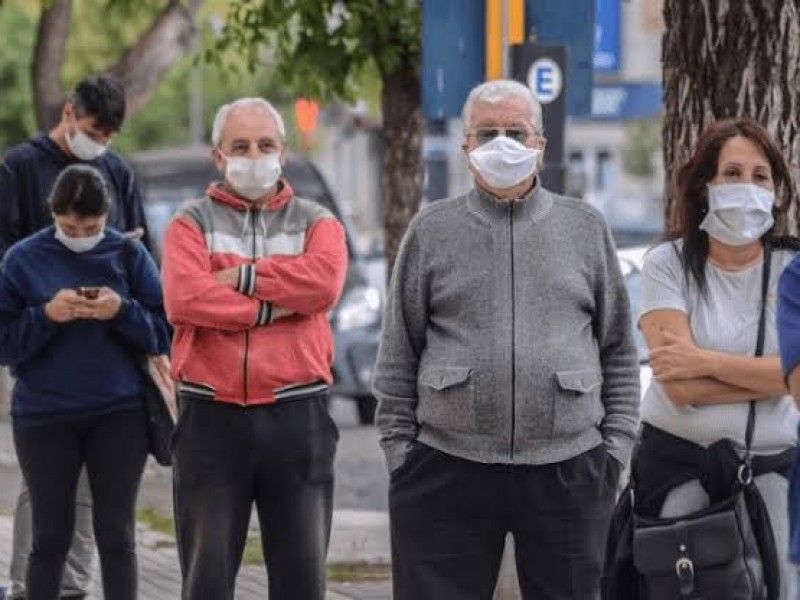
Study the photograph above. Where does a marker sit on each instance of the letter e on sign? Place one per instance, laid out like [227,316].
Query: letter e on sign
[545,80]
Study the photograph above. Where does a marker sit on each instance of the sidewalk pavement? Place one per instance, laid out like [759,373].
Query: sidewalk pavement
[357,538]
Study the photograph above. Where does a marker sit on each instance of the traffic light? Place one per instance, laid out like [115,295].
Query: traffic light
[306,112]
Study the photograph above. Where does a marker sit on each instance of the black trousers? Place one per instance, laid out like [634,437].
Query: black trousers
[113,447]
[450,517]
[227,457]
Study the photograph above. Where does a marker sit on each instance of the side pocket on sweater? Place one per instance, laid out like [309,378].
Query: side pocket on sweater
[446,398]
[577,405]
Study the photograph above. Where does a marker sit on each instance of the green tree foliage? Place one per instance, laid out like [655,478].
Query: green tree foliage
[320,48]
[17,30]
[643,139]
[100,31]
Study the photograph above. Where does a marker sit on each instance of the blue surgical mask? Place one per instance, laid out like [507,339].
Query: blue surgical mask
[738,213]
[79,244]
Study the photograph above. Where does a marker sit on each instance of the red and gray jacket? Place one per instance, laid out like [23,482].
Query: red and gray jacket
[230,345]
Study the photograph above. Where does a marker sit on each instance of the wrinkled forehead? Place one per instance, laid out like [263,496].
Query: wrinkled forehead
[512,112]
[249,123]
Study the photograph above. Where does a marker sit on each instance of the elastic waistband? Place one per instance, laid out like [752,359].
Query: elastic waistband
[283,394]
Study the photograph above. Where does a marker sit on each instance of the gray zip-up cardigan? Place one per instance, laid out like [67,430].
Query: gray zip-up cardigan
[507,335]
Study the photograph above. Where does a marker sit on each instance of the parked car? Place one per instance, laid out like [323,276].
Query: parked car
[170,177]
[631,261]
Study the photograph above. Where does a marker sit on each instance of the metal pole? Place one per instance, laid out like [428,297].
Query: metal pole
[506,67]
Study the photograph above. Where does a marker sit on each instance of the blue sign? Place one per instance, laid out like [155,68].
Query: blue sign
[606,36]
[545,79]
[567,23]
[626,101]
[453,55]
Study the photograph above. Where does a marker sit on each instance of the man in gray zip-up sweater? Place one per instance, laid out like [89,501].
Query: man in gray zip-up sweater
[507,375]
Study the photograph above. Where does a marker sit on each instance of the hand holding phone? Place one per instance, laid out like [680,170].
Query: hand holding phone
[64,307]
[90,293]
[101,303]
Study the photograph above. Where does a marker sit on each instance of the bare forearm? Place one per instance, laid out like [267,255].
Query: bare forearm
[704,391]
[762,375]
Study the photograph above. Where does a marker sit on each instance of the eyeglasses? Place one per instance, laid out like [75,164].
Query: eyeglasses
[487,134]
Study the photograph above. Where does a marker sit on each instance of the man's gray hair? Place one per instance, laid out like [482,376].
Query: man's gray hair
[226,109]
[500,90]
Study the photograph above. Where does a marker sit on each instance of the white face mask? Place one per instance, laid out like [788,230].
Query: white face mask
[504,163]
[83,147]
[79,244]
[738,213]
[253,177]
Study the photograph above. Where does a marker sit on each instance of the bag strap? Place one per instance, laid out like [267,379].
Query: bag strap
[751,415]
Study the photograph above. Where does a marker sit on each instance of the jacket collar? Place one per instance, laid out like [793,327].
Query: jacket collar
[221,193]
[533,206]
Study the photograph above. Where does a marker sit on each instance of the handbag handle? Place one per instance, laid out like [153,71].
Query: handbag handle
[745,471]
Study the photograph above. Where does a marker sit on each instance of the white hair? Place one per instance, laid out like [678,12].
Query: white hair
[500,90]
[226,109]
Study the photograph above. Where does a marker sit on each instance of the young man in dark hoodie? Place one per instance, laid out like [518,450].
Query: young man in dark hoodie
[90,119]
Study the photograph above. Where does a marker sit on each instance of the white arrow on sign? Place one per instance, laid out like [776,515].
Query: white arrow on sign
[545,80]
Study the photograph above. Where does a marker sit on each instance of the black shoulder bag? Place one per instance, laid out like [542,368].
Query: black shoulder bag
[158,392]
[723,552]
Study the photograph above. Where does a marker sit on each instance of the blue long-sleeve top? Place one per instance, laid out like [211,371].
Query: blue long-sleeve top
[789,341]
[84,366]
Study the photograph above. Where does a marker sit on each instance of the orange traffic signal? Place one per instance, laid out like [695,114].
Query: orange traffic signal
[306,112]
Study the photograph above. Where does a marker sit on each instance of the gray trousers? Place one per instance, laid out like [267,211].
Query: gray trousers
[774,488]
[78,568]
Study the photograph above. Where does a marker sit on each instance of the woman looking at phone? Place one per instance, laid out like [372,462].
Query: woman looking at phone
[79,303]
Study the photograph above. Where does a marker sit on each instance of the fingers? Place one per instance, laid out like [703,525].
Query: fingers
[135,234]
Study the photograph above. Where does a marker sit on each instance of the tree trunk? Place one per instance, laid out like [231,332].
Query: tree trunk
[141,67]
[48,58]
[401,179]
[730,58]
[166,41]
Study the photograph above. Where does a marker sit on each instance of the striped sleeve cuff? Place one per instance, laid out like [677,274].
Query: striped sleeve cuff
[264,313]
[247,279]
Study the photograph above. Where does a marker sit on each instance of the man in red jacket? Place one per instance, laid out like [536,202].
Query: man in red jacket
[250,272]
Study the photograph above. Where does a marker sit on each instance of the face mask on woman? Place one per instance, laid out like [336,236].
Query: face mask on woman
[253,177]
[738,213]
[79,244]
[503,162]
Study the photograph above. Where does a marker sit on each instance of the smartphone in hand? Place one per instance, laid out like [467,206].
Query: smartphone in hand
[90,293]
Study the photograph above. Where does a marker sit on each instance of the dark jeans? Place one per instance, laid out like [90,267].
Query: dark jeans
[113,447]
[279,456]
[450,517]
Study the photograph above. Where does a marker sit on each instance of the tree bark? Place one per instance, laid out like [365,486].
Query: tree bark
[730,58]
[48,58]
[166,41]
[401,178]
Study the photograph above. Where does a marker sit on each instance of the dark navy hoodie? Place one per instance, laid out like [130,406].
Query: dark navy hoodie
[27,174]
[85,366]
